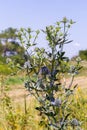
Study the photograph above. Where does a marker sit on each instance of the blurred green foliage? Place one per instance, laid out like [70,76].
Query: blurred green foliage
[5,70]
[83,54]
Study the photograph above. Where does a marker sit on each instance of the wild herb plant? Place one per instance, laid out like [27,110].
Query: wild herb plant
[47,72]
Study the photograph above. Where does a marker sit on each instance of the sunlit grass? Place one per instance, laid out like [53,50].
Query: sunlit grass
[21,115]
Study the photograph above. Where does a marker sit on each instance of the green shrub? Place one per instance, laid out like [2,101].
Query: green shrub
[46,76]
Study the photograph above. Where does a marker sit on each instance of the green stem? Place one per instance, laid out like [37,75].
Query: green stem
[72,79]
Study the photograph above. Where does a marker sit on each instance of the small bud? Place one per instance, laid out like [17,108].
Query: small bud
[78,59]
[26,84]
[74,122]
[27,64]
[57,103]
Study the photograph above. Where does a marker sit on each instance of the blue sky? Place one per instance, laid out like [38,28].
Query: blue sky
[37,14]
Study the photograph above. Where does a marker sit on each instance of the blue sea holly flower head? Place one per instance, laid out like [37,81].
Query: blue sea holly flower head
[57,102]
[44,71]
[75,122]
[27,64]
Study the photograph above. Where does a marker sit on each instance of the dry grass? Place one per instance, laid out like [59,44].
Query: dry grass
[19,95]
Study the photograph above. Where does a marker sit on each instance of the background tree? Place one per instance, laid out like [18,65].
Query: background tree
[83,54]
[10,44]
[9,33]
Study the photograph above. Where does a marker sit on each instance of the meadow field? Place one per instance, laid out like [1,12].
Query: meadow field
[41,89]
[17,106]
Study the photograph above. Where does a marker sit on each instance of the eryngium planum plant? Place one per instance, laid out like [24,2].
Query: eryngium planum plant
[47,73]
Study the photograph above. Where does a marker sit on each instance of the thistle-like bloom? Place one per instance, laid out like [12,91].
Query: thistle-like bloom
[74,122]
[57,102]
[44,71]
[27,64]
